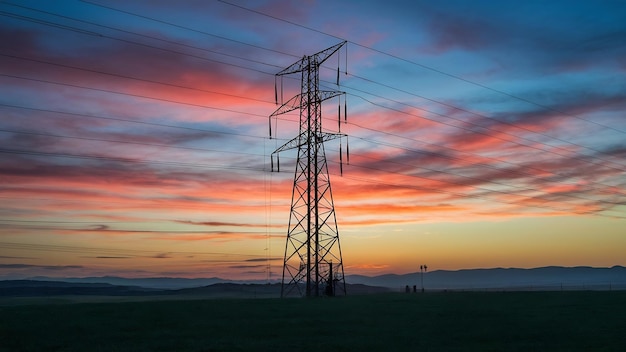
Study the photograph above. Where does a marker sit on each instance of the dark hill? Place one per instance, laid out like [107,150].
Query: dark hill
[35,288]
[545,278]
[32,288]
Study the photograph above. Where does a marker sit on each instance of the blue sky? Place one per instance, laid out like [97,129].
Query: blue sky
[134,135]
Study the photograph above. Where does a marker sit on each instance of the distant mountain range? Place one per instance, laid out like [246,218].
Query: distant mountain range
[161,283]
[50,289]
[39,288]
[471,279]
[551,277]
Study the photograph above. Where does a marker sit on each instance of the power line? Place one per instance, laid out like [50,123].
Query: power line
[197,105]
[474,154]
[167,163]
[132,121]
[424,66]
[259,234]
[222,166]
[466,195]
[466,122]
[190,29]
[126,160]
[99,35]
[428,152]
[127,142]
[482,181]
[82,156]
[460,195]
[454,126]
[540,197]
[400,111]
[64,222]
[78,30]
[356,76]
[518,171]
[132,95]
[242,97]
[621,166]
[100,202]
[83,249]
[436,190]
[204,166]
[449,105]
[206,33]
[134,78]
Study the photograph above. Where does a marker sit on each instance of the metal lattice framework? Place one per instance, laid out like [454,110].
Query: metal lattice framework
[313,264]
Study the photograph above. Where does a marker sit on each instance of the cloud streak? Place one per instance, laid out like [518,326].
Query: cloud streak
[157,135]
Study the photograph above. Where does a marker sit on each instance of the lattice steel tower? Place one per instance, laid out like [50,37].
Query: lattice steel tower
[312,265]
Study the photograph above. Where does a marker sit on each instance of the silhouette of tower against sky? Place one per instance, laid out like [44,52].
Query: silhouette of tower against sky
[312,265]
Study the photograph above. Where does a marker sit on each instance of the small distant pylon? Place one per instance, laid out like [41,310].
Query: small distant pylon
[313,265]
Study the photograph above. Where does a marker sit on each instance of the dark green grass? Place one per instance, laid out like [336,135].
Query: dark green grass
[512,321]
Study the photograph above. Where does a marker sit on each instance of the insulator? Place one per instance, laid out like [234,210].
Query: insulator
[347,151]
[340,161]
[338,64]
[345,110]
[272,162]
[270,124]
[277,162]
[339,115]
[346,67]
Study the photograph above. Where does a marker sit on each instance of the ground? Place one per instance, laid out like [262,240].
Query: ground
[453,321]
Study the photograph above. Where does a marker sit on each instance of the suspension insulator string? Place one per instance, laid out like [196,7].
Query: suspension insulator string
[346,67]
[340,161]
[339,114]
[345,109]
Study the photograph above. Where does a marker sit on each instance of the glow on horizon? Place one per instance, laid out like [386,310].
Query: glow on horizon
[136,148]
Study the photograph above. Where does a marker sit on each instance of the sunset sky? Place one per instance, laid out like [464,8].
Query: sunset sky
[134,134]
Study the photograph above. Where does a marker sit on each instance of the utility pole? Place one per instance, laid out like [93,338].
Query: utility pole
[423,269]
[313,264]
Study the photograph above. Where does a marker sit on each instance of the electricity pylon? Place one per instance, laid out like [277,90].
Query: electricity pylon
[312,265]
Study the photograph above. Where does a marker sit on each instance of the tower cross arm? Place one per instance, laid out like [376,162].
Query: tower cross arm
[290,105]
[301,140]
[319,57]
[327,94]
[328,136]
[297,102]
[295,142]
[326,53]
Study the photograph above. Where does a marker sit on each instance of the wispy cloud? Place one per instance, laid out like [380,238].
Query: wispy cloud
[158,134]
[44,267]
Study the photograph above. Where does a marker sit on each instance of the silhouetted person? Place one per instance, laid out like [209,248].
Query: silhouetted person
[407,289]
[414,288]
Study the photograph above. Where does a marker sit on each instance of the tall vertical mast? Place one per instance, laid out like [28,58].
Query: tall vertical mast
[312,250]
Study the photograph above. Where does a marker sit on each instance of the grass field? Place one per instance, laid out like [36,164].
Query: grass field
[468,321]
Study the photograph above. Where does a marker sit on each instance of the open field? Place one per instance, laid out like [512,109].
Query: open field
[478,321]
